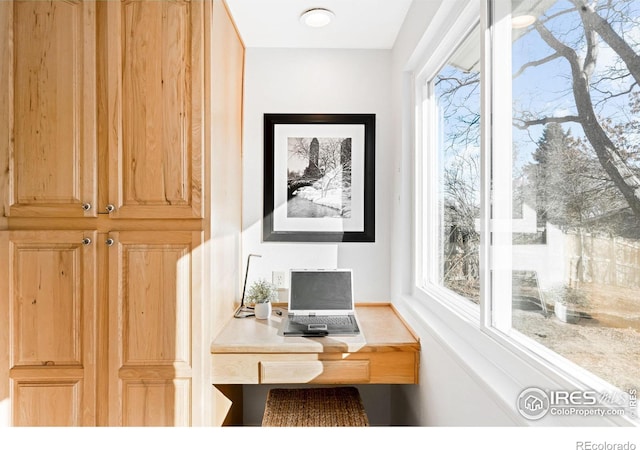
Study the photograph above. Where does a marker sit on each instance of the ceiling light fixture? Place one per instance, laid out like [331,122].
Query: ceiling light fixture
[317,17]
[522,21]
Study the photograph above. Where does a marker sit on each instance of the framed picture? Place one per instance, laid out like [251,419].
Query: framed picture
[319,177]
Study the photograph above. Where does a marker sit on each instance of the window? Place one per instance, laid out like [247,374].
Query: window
[555,176]
[456,91]
[451,108]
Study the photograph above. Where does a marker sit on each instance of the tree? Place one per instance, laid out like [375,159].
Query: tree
[559,177]
[461,238]
[578,34]
[458,100]
[594,27]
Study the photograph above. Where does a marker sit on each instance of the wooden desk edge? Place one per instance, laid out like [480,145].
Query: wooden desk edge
[413,333]
[409,346]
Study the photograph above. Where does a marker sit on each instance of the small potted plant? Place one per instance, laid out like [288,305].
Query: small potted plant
[261,294]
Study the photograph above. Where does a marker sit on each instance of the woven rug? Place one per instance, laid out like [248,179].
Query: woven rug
[315,407]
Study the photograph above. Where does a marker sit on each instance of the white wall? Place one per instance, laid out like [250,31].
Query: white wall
[318,81]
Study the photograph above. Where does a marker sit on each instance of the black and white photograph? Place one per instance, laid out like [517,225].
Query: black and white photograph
[319,172]
[319,177]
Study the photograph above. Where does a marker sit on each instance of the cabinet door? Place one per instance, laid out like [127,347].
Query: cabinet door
[48,328]
[156,107]
[151,369]
[48,143]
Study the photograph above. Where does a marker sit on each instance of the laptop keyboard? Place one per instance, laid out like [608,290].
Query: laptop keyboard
[329,320]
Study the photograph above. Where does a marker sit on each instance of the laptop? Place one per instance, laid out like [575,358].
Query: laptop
[321,303]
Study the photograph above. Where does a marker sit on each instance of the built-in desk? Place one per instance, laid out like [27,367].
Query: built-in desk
[251,351]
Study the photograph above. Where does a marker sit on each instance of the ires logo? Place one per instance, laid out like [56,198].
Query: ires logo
[534,403]
[575,398]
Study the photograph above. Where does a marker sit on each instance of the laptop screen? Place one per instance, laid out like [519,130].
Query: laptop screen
[321,290]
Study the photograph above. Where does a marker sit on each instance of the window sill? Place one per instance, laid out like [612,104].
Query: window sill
[503,366]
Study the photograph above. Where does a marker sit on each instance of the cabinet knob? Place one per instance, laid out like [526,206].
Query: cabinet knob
[109,242]
[86,241]
[86,206]
[110,208]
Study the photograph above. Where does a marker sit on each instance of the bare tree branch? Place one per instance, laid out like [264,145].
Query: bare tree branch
[613,39]
[524,124]
[592,50]
[610,95]
[563,50]
[536,63]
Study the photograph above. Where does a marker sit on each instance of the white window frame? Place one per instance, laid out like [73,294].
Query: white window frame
[497,174]
[426,167]
[493,318]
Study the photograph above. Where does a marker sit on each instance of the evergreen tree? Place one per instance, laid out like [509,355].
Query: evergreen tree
[571,188]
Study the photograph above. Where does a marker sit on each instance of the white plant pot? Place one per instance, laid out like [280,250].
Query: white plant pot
[262,310]
[566,314]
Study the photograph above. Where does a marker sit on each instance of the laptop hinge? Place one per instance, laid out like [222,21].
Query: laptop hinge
[312,314]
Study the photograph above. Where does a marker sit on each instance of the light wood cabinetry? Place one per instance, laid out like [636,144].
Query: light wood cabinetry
[145,87]
[150,360]
[108,196]
[48,108]
[49,315]
[155,113]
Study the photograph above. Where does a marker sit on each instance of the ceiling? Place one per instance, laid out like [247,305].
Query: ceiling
[361,24]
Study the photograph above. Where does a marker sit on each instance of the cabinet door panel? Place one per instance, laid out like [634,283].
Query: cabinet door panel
[156,97]
[48,141]
[160,403]
[47,303]
[49,328]
[47,403]
[150,290]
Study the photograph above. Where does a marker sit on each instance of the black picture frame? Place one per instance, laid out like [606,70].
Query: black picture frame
[355,134]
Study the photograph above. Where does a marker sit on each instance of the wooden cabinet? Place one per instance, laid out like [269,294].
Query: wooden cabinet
[48,114]
[103,108]
[48,312]
[150,317]
[155,108]
[108,197]
[61,334]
